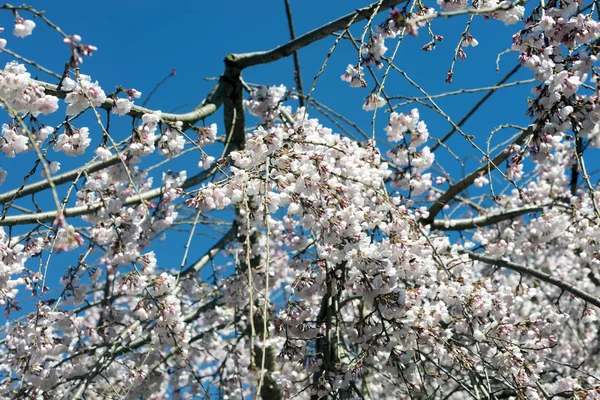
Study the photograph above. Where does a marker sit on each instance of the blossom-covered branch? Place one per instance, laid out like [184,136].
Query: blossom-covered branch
[560,283]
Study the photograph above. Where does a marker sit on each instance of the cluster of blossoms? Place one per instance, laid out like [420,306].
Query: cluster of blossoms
[560,242]
[22,94]
[171,142]
[265,101]
[555,47]
[73,142]
[354,76]
[13,142]
[12,263]
[122,106]
[373,52]
[420,300]
[143,143]
[406,154]
[82,93]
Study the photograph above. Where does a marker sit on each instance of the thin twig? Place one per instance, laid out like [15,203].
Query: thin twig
[297,74]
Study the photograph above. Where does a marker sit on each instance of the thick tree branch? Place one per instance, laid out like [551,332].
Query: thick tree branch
[50,216]
[220,245]
[233,108]
[57,180]
[203,110]
[468,180]
[484,220]
[567,287]
[245,60]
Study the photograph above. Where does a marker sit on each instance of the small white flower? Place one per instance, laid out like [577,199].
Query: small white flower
[481,181]
[373,102]
[353,75]
[122,106]
[68,84]
[103,153]
[23,27]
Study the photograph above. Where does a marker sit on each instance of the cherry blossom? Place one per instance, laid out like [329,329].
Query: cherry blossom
[13,142]
[73,142]
[354,75]
[83,94]
[23,27]
[22,94]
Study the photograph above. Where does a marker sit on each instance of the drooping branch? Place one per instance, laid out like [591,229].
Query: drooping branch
[468,180]
[561,284]
[120,347]
[262,57]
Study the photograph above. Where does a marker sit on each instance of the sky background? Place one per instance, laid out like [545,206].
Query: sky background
[140,42]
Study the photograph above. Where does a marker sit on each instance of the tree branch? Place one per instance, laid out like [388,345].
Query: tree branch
[208,106]
[220,245]
[297,75]
[203,110]
[567,287]
[245,60]
[484,220]
[468,180]
[57,180]
[84,210]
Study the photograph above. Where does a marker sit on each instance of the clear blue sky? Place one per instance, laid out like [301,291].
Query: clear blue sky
[140,42]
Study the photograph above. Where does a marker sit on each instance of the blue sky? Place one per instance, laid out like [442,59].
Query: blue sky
[140,42]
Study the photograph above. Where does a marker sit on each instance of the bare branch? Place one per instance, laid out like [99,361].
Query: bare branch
[484,220]
[476,106]
[297,75]
[245,60]
[468,180]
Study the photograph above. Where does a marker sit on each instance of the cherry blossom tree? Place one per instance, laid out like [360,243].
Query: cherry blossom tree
[341,264]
